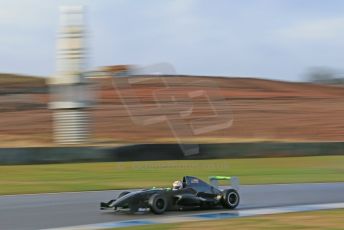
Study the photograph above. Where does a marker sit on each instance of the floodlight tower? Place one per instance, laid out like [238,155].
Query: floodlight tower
[69,89]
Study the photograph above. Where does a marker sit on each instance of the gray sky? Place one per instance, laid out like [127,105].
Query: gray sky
[277,39]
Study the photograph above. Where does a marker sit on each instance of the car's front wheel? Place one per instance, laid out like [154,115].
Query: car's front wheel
[157,203]
[122,194]
[230,198]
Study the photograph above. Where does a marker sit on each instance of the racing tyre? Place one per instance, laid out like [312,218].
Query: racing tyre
[157,203]
[122,194]
[133,208]
[230,199]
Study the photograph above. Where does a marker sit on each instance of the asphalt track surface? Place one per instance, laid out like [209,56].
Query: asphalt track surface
[69,209]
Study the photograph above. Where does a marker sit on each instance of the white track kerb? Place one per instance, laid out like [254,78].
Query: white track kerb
[223,214]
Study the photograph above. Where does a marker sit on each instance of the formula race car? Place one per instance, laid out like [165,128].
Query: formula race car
[193,193]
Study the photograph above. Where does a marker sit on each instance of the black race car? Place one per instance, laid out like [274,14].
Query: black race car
[195,193]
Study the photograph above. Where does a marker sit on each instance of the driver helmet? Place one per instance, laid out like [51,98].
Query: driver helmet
[177,185]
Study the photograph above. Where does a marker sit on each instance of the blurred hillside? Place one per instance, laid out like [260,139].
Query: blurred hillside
[261,110]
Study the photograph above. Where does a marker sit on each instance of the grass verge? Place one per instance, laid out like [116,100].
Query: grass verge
[331,219]
[119,175]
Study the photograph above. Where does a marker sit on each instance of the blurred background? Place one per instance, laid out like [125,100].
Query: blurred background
[275,64]
[124,94]
[152,80]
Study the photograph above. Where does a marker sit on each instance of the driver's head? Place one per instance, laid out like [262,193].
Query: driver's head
[177,185]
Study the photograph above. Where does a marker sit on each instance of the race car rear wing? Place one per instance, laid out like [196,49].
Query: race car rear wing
[232,181]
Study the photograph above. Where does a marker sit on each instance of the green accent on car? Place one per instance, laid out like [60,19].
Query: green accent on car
[155,188]
[219,178]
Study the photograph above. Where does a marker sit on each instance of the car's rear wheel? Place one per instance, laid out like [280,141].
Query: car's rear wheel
[230,199]
[157,203]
